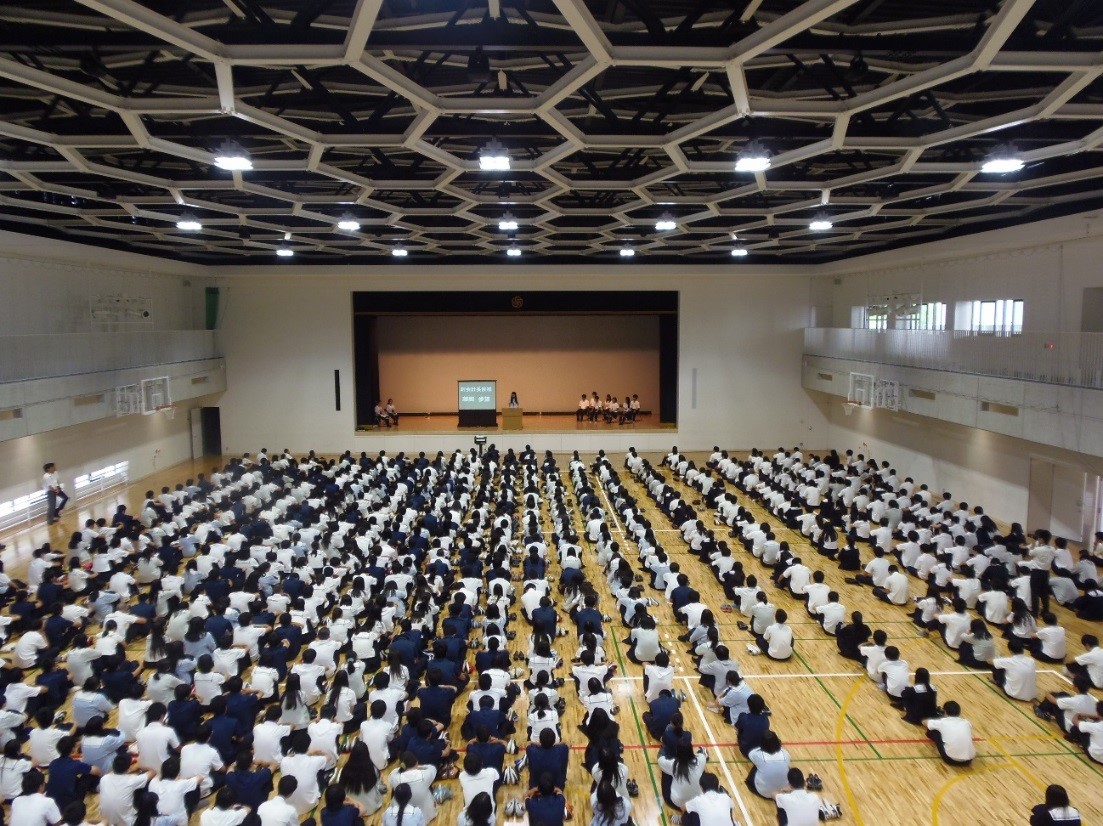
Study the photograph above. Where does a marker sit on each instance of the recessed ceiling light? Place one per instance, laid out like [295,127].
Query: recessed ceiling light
[820,223]
[514,252]
[285,252]
[232,158]
[188,223]
[399,252]
[493,157]
[348,224]
[507,223]
[753,158]
[666,222]
[739,252]
[1001,162]
[627,252]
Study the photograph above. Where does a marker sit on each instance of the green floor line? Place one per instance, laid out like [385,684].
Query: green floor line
[838,705]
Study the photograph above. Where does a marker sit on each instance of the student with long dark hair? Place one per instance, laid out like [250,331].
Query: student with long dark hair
[401,812]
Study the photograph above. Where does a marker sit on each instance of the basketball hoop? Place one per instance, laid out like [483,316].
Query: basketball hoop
[849,407]
[169,410]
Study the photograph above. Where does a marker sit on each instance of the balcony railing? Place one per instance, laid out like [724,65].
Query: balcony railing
[67,354]
[1074,359]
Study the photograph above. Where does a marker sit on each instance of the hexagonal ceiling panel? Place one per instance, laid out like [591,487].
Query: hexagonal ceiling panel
[877,117]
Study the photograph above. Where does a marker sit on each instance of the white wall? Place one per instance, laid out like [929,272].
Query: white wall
[1047,265]
[283,336]
[46,286]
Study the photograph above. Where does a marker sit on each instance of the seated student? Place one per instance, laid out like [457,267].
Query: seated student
[657,676]
[1090,662]
[777,640]
[1089,728]
[1056,811]
[1049,644]
[685,769]
[832,613]
[954,624]
[643,642]
[873,654]
[953,736]
[1017,675]
[732,700]
[548,759]
[545,803]
[920,700]
[660,711]
[977,649]
[751,726]
[796,806]
[381,415]
[712,807]
[849,638]
[894,675]
[1089,605]
[1063,707]
[895,589]
[769,772]
[716,671]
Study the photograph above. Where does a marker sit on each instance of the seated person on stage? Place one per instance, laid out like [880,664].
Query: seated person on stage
[392,411]
[583,409]
[381,415]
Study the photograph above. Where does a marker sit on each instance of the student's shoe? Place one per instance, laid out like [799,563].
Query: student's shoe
[560,632]
[519,656]
[726,608]
[638,578]
[633,788]
[1042,715]
[511,746]
[742,626]
[753,650]
[830,811]
[683,638]
[510,808]
[606,618]
[681,695]
[813,783]
[521,762]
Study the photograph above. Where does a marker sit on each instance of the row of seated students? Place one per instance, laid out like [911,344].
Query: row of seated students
[285,640]
[591,408]
[1079,714]
[685,768]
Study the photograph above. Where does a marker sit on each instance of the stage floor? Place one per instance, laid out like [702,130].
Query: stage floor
[533,423]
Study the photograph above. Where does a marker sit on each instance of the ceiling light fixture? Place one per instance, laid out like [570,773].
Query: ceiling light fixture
[231,157]
[188,223]
[399,252]
[753,158]
[821,223]
[507,223]
[1002,161]
[627,252]
[739,252]
[285,252]
[493,157]
[514,252]
[666,223]
[348,224]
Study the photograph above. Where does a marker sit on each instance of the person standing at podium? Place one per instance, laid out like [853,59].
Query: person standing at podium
[513,403]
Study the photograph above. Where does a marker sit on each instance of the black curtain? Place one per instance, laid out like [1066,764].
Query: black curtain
[365,366]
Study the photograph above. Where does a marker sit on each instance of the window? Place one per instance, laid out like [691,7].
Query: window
[932,316]
[1003,317]
[100,480]
[877,320]
[22,509]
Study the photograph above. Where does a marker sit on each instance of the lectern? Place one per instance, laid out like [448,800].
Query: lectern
[513,418]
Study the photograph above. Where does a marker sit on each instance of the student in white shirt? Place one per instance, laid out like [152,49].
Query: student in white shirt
[1090,662]
[712,806]
[277,811]
[33,808]
[799,806]
[894,673]
[777,640]
[1049,643]
[953,736]
[1017,675]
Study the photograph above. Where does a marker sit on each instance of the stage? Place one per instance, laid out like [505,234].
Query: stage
[543,431]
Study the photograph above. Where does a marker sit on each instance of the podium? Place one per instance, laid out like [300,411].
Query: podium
[513,418]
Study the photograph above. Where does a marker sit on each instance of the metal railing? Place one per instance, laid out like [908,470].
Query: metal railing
[1074,359]
[68,354]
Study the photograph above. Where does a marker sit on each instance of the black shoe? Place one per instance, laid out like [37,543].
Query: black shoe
[742,626]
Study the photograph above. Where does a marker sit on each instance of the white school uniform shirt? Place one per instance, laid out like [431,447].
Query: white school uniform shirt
[116,796]
[780,639]
[897,586]
[833,614]
[801,807]
[957,737]
[34,810]
[895,673]
[658,678]
[154,743]
[1021,674]
[713,808]
[1094,730]
[1093,661]
[277,812]
[1053,639]
[875,655]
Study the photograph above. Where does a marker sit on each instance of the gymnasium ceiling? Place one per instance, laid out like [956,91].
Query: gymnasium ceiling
[877,113]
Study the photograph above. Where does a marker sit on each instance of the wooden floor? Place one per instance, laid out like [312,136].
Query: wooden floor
[830,716]
[533,422]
